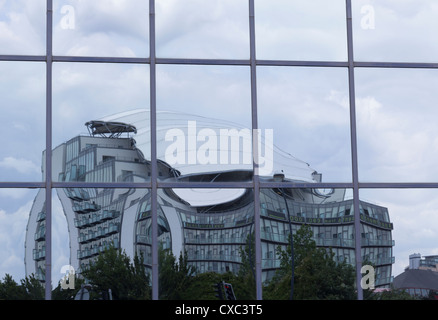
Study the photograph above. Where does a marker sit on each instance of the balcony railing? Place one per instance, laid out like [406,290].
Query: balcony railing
[333,242]
[40,235]
[100,233]
[215,257]
[84,222]
[383,281]
[86,207]
[90,252]
[41,216]
[208,240]
[39,254]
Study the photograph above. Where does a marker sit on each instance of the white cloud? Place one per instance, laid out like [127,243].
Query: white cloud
[22,27]
[12,235]
[404,31]
[20,165]
[13,193]
[202,29]
[109,28]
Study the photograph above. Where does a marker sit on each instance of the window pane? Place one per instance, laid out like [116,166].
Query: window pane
[81,233]
[202,29]
[15,205]
[36,243]
[104,94]
[329,217]
[212,227]
[414,221]
[22,100]
[301,30]
[307,109]
[23,27]
[101,28]
[202,112]
[388,31]
[396,130]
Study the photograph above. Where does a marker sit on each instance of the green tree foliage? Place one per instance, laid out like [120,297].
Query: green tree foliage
[316,274]
[245,285]
[180,281]
[175,277]
[114,270]
[28,289]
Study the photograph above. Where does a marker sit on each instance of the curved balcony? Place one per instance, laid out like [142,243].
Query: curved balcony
[40,235]
[39,254]
[214,257]
[95,219]
[223,240]
[86,207]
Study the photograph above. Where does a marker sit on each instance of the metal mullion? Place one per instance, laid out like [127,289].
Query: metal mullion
[290,184]
[354,161]
[184,184]
[154,166]
[398,185]
[307,185]
[303,63]
[48,154]
[396,65]
[121,185]
[4,57]
[101,59]
[29,185]
[185,61]
[256,179]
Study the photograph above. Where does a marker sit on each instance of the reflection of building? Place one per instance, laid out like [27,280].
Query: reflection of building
[420,278]
[425,263]
[211,225]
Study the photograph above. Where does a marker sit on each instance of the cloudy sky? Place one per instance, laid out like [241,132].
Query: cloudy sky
[306,107]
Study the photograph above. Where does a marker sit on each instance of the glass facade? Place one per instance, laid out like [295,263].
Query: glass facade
[349,120]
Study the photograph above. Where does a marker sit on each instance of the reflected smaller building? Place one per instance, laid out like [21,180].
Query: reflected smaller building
[420,278]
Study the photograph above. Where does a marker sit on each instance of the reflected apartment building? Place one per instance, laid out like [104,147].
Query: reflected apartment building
[210,225]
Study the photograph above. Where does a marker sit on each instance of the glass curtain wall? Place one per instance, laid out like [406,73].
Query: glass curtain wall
[343,112]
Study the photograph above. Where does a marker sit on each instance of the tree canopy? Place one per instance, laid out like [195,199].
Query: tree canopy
[316,276]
